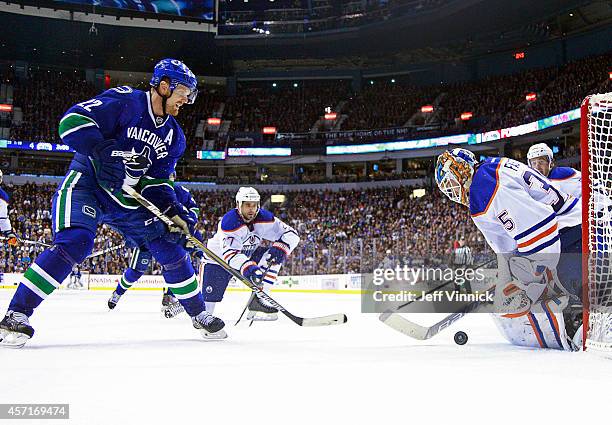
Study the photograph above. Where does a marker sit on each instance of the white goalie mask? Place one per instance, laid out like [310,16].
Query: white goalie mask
[454,171]
[247,194]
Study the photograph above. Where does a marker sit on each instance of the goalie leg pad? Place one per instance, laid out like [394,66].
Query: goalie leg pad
[542,327]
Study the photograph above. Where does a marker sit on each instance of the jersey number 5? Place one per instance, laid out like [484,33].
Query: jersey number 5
[506,220]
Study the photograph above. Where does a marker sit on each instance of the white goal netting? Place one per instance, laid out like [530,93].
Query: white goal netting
[597,230]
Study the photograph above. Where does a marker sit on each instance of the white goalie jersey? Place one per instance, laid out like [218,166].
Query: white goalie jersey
[519,211]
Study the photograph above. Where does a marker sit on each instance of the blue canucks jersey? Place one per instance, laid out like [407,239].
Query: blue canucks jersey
[126,115]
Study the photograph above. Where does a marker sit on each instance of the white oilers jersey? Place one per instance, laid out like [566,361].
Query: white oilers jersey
[235,241]
[5,224]
[518,210]
[567,180]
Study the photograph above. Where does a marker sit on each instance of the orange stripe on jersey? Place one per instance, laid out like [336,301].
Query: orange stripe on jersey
[554,318]
[538,237]
[535,331]
[494,191]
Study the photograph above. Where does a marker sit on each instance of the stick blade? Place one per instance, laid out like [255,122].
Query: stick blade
[400,324]
[334,319]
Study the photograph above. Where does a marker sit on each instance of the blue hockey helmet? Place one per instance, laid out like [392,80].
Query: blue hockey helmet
[454,172]
[178,73]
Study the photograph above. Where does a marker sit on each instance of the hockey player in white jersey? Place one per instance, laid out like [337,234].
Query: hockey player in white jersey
[6,230]
[239,234]
[520,214]
[540,158]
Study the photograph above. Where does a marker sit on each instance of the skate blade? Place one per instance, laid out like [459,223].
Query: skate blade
[258,316]
[170,313]
[10,339]
[213,335]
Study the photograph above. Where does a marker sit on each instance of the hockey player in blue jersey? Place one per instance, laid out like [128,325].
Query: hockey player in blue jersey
[141,256]
[122,136]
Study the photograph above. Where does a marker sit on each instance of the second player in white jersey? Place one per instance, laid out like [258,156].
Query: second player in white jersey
[239,235]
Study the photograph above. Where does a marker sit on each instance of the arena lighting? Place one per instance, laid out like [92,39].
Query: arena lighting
[269,130]
[530,97]
[519,55]
[6,108]
[427,109]
[418,193]
[466,116]
[610,75]
[331,116]
[214,121]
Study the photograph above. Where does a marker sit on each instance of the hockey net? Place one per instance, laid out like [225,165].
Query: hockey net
[596,151]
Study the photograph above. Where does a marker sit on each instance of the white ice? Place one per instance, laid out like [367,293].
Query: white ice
[131,366]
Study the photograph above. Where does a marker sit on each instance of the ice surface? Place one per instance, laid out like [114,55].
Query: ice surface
[131,366]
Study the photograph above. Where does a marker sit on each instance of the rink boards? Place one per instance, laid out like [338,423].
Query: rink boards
[332,283]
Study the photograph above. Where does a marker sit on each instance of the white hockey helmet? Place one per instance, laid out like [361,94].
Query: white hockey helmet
[247,194]
[538,150]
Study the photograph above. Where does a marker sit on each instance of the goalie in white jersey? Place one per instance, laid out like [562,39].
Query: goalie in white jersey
[239,234]
[522,217]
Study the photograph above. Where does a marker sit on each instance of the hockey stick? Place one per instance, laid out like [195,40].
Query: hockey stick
[393,319]
[416,331]
[334,319]
[27,242]
[251,297]
[104,251]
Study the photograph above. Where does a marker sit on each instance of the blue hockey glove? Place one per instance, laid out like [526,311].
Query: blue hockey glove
[137,166]
[278,252]
[253,273]
[110,169]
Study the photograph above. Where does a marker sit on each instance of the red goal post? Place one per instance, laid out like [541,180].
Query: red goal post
[596,158]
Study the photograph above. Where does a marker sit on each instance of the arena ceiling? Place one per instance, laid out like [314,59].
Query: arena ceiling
[462,28]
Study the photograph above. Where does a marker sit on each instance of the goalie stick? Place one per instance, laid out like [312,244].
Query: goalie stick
[395,321]
[416,331]
[334,319]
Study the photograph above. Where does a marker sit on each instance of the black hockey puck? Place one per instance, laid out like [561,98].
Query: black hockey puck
[461,338]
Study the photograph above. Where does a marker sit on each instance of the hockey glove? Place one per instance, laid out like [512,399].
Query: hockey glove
[11,238]
[189,246]
[137,166]
[181,217]
[253,273]
[277,254]
[110,169]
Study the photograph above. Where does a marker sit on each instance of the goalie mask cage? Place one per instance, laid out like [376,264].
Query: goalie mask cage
[596,156]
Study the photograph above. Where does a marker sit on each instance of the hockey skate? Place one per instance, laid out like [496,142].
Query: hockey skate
[260,310]
[113,300]
[210,327]
[171,307]
[15,330]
